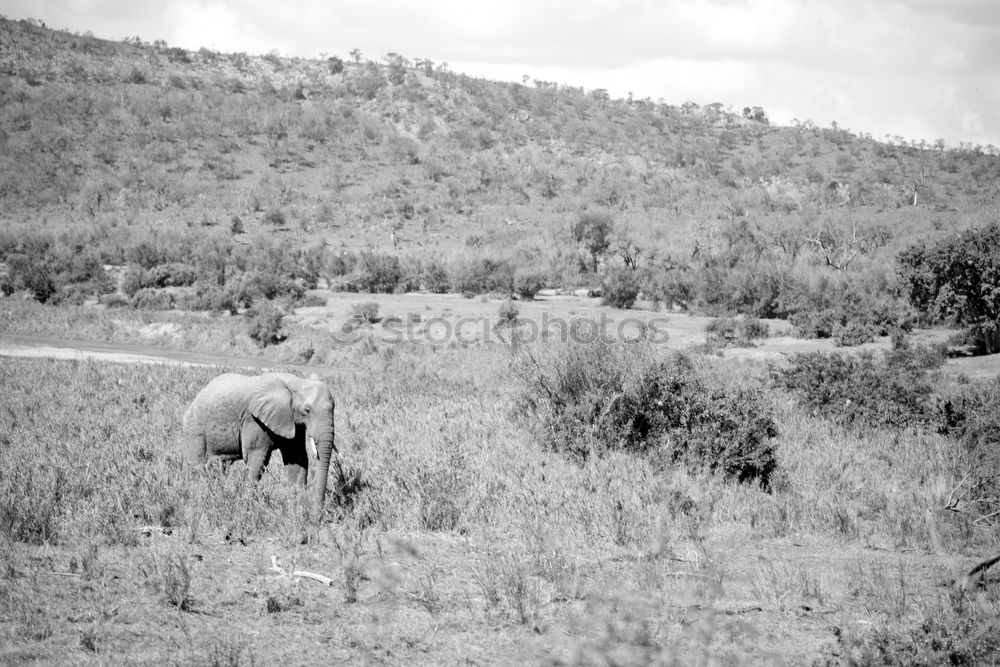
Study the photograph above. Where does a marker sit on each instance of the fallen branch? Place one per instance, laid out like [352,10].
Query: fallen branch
[974,578]
[326,581]
[302,574]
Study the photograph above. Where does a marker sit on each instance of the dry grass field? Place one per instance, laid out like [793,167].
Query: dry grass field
[465,540]
[667,475]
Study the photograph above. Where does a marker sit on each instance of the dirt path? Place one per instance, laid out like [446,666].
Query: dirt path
[129,353]
[12,345]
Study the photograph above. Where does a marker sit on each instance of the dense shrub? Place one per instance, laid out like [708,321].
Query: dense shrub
[252,286]
[620,289]
[958,280]
[153,299]
[434,276]
[171,274]
[114,300]
[132,280]
[971,414]
[527,283]
[668,286]
[845,313]
[211,297]
[941,639]
[31,273]
[592,398]
[264,324]
[376,273]
[856,333]
[484,276]
[365,312]
[859,389]
[736,331]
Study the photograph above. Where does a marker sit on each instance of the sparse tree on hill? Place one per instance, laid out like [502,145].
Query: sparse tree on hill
[593,229]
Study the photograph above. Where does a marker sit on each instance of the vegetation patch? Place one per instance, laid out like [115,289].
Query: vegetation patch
[590,399]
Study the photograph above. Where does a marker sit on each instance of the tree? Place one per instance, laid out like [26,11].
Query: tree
[959,280]
[593,229]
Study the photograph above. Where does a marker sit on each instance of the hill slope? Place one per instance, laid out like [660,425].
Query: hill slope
[355,150]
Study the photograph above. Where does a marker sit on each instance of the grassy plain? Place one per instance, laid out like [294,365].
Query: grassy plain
[468,543]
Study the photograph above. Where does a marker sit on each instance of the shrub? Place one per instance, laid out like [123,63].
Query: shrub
[275,217]
[620,289]
[114,301]
[32,273]
[434,277]
[377,273]
[593,230]
[736,332]
[264,325]
[133,280]
[856,333]
[484,276]
[859,389]
[958,280]
[941,639]
[153,299]
[365,312]
[311,301]
[211,297]
[171,274]
[528,283]
[592,398]
[507,312]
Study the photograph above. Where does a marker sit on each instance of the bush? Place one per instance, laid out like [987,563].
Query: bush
[528,283]
[32,273]
[592,398]
[153,299]
[852,310]
[484,276]
[958,280]
[507,312]
[736,332]
[856,333]
[620,289]
[171,274]
[377,273]
[859,389]
[434,277]
[275,217]
[212,297]
[133,280]
[365,312]
[264,325]
[114,301]
[942,639]
[311,301]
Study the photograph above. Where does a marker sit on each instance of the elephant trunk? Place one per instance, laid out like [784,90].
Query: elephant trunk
[325,450]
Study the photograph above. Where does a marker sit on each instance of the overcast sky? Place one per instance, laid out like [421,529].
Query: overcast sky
[920,69]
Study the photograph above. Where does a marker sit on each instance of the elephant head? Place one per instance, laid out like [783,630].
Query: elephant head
[300,410]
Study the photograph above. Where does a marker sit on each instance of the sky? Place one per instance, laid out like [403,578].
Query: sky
[917,69]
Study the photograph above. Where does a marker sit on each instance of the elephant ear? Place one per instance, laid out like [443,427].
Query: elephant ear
[273,407]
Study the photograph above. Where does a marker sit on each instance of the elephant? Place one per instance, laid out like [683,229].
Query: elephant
[248,417]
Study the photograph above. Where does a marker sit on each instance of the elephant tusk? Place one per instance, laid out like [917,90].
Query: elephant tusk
[311,445]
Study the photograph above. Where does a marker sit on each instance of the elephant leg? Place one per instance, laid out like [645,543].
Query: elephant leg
[296,458]
[256,446]
[194,448]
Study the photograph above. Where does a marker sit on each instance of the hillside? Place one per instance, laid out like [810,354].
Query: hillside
[139,133]
[401,175]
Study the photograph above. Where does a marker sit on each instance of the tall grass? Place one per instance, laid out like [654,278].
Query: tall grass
[616,553]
